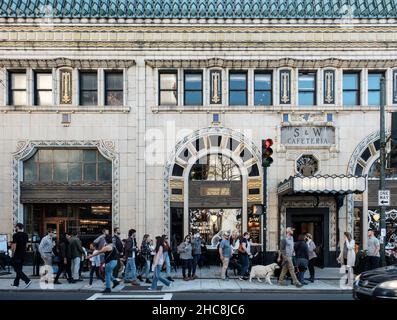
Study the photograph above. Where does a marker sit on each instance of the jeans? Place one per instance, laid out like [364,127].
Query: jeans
[95,270]
[157,277]
[18,266]
[146,268]
[47,258]
[372,262]
[76,268]
[302,266]
[245,264]
[187,263]
[62,267]
[288,266]
[311,268]
[167,262]
[109,273]
[225,264]
[196,259]
[130,270]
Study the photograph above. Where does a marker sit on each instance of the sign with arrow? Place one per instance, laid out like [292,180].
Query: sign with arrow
[384,198]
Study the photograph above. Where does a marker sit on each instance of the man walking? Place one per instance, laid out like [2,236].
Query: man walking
[76,251]
[18,247]
[287,252]
[373,255]
[244,256]
[118,244]
[225,252]
[130,255]
[45,249]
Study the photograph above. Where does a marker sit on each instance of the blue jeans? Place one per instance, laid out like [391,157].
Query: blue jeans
[167,262]
[196,259]
[302,265]
[157,277]
[245,264]
[109,273]
[146,268]
[130,270]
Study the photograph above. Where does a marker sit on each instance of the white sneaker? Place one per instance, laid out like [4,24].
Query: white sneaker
[88,286]
[28,284]
[14,286]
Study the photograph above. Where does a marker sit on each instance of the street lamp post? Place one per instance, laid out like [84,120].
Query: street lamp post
[382,183]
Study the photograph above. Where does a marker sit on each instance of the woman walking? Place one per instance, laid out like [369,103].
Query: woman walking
[312,255]
[146,255]
[185,251]
[111,258]
[158,262]
[65,260]
[347,256]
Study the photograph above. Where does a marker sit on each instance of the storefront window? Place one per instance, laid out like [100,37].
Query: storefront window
[212,222]
[391,225]
[63,165]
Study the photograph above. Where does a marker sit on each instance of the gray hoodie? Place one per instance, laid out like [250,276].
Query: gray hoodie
[185,251]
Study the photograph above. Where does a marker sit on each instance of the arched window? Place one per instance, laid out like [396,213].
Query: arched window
[215,167]
[374,172]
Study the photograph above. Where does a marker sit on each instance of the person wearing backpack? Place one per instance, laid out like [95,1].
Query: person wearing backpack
[130,256]
[111,257]
[120,248]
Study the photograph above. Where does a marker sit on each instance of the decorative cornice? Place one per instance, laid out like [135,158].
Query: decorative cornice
[66,62]
[273,63]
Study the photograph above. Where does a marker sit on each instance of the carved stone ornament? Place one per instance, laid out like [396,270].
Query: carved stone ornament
[66,86]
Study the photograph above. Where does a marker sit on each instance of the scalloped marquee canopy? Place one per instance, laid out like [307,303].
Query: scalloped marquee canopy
[260,9]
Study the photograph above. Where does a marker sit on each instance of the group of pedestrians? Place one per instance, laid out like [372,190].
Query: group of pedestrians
[189,253]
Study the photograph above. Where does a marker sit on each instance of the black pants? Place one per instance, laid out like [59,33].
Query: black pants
[117,269]
[18,266]
[311,267]
[187,263]
[64,267]
[372,262]
[98,275]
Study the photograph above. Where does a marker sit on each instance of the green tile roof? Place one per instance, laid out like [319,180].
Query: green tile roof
[316,9]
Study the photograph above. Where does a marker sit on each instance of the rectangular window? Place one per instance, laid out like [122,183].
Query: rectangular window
[114,88]
[263,89]
[168,88]
[351,88]
[17,88]
[307,88]
[193,88]
[43,89]
[374,88]
[88,88]
[238,88]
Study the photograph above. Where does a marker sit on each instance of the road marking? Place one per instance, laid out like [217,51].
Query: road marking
[101,296]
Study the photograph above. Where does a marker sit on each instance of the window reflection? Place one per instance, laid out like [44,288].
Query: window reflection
[307,89]
[168,88]
[215,167]
[238,88]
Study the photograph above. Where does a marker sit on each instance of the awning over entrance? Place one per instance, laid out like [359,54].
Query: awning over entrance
[335,184]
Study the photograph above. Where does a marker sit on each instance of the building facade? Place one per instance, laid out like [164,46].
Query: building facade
[151,115]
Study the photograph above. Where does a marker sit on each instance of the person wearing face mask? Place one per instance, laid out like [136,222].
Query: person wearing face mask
[185,251]
[196,252]
[45,249]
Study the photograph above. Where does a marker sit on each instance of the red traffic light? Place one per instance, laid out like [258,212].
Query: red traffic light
[268,143]
[267,160]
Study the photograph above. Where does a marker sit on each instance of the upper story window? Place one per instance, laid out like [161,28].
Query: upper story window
[67,165]
[263,88]
[307,89]
[193,88]
[88,88]
[168,90]
[17,88]
[43,88]
[114,88]
[374,88]
[238,88]
[351,88]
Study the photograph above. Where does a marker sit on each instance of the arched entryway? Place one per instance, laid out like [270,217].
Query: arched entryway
[211,182]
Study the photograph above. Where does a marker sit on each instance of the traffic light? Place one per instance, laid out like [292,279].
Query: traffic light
[267,152]
[393,149]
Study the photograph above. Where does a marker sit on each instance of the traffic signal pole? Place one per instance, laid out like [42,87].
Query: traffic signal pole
[264,216]
[382,182]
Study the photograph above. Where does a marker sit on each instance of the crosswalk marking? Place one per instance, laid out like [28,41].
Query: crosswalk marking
[101,296]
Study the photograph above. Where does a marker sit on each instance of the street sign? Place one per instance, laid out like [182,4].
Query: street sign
[384,198]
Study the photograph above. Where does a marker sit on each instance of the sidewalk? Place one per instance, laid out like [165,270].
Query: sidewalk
[328,280]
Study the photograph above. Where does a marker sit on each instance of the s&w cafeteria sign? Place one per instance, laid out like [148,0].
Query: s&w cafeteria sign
[308,135]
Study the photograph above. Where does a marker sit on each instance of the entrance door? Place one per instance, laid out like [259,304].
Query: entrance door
[58,225]
[314,221]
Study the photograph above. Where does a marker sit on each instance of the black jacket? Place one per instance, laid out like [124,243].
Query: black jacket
[118,244]
[301,250]
[64,251]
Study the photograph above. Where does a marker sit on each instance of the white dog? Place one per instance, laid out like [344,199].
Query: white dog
[263,272]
